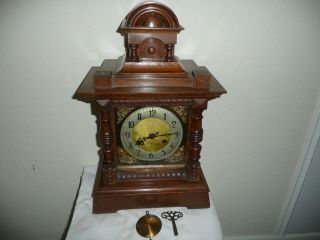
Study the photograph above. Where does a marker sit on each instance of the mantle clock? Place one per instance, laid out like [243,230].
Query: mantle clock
[149,106]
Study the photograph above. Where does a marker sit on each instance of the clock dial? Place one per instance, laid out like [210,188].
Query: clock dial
[151,133]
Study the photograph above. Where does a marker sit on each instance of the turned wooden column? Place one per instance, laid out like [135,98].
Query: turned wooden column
[133,52]
[169,52]
[106,143]
[195,137]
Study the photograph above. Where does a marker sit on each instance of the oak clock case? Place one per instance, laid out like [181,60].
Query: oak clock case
[149,107]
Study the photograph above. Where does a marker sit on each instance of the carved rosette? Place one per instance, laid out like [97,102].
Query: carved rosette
[195,137]
[106,140]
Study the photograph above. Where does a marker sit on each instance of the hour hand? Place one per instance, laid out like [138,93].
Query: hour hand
[140,140]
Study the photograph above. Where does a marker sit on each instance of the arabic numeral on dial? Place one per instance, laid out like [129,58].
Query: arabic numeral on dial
[152,112]
[164,152]
[164,116]
[130,145]
[131,124]
[173,123]
[139,116]
[171,145]
[127,134]
[151,155]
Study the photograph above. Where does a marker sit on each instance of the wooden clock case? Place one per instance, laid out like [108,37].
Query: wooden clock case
[149,74]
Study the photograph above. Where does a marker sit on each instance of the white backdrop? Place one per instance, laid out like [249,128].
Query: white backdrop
[265,53]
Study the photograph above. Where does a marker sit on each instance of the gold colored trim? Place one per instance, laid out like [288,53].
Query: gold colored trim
[122,112]
[125,158]
[176,157]
[181,111]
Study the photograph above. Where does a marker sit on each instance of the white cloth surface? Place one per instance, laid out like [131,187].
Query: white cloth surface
[202,224]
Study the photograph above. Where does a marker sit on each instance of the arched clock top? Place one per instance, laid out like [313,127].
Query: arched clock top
[151,15]
[152,27]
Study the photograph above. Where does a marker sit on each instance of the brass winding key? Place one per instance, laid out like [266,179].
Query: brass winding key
[172,216]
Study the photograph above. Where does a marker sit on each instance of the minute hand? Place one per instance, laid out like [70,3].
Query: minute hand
[167,134]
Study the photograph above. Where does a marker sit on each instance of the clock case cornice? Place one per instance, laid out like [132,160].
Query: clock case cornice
[87,91]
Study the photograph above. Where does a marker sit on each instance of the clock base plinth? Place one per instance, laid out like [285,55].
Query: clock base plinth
[150,195]
[106,203]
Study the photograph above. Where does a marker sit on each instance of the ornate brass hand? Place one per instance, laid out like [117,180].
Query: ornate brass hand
[140,140]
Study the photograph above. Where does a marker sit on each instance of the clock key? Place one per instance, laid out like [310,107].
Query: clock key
[172,216]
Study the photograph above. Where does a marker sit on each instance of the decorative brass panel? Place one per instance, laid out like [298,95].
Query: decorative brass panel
[176,157]
[125,158]
[122,112]
[181,111]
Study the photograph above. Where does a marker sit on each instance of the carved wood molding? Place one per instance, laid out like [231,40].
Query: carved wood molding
[164,174]
[155,102]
